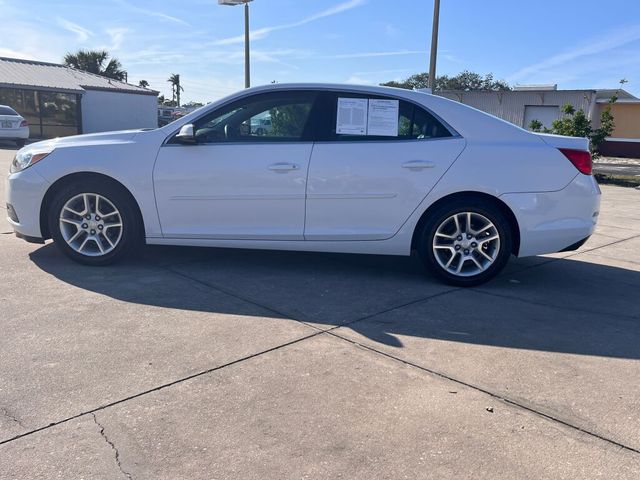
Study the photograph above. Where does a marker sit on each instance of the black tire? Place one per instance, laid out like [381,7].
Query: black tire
[131,236]
[481,207]
[20,143]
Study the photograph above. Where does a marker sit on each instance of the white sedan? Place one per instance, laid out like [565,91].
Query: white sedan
[342,169]
[13,126]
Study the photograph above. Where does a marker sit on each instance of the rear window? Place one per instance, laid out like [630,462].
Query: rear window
[7,111]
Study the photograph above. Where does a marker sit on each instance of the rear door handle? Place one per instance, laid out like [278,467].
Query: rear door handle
[418,165]
[283,167]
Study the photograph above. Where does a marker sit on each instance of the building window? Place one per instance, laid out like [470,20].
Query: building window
[50,114]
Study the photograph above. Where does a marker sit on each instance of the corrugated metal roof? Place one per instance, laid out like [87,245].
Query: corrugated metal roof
[52,76]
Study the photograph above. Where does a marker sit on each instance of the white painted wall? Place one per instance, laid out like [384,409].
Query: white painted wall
[105,111]
[545,114]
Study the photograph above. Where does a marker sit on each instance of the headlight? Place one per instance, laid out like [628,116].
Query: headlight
[27,157]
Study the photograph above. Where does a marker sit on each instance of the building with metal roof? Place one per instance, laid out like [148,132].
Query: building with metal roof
[58,100]
[543,103]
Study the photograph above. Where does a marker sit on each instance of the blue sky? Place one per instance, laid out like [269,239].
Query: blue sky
[575,43]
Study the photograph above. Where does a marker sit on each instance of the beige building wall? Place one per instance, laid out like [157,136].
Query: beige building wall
[626,119]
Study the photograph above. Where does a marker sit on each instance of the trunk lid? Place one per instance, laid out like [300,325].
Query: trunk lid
[560,141]
[10,121]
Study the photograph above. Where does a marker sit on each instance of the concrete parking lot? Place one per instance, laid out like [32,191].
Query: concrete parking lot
[207,363]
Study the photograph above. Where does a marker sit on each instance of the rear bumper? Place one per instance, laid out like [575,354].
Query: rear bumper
[554,221]
[21,133]
[576,246]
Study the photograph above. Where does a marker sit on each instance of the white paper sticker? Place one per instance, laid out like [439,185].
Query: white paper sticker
[383,117]
[352,116]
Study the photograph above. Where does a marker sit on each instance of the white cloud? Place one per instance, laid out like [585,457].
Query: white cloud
[152,13]
[384,72]
[391,30]
[82,34]
[591,47]
[117,37]
[265,31]
[9,53]
[358,80]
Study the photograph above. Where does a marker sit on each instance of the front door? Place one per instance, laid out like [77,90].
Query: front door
[245,177]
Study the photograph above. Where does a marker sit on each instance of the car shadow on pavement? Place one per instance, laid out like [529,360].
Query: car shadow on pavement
[6,145]
[567,306]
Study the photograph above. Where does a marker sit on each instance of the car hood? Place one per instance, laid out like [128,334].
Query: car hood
[104,138]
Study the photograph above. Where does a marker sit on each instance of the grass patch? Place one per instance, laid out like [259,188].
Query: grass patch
[620,180]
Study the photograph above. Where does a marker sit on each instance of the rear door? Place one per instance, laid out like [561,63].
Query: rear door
[365,186]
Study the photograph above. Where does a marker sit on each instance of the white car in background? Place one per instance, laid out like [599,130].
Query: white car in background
[13,126]
[343,169]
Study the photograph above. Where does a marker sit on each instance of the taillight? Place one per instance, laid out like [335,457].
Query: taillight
[24,123]
[581,159]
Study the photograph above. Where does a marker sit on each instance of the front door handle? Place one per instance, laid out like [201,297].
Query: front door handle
[418,165]
[283,167]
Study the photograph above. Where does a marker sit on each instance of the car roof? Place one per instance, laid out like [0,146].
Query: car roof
[467,121]
[399,92]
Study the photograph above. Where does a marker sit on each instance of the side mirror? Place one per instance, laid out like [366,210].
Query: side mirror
[186,134]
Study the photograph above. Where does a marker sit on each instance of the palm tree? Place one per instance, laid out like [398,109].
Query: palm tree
[143,83]
[96,61]
[174,80]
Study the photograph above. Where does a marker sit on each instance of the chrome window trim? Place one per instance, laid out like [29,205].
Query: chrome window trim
[454,133]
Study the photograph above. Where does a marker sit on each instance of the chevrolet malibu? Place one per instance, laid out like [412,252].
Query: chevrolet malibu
[367,170]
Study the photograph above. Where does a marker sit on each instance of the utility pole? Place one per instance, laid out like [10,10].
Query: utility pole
[247,64]
[434,45]
[247,33]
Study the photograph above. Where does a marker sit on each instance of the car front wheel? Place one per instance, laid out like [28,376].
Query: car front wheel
[466,243]
[93,223]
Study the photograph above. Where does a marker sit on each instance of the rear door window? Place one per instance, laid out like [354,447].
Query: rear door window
[414,122]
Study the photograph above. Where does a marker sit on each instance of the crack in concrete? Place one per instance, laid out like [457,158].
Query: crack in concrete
[497,396]
[113,447]
[329,331]
[12,417]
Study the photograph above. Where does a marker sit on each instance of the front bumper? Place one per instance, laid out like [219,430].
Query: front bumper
[24,192]
[554,221]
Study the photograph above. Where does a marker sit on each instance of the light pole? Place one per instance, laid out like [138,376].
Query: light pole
[434,45]
[247,60]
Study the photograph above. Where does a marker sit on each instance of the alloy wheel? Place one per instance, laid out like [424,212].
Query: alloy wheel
[91,224]
[466,244]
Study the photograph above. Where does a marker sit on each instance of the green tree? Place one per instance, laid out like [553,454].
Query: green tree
[96,61]
[465,80]
[289,120]
[143,84]
[193,104]
[536,126]
[575,123]
[176,88]
[161,99]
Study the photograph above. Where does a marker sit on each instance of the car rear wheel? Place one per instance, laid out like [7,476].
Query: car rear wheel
[94,223]
[466,243]
[20,143]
